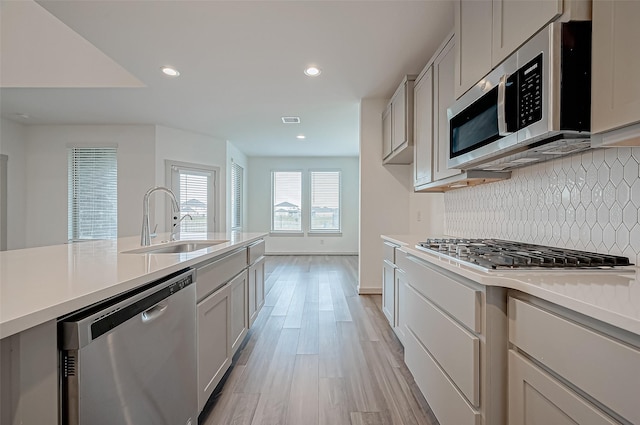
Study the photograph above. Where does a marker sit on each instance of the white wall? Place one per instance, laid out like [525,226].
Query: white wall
[259,189]
[46,153]
[237,156]
[194,148]
[13,144]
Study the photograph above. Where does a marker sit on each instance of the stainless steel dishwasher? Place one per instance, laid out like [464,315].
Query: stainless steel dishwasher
[132,360]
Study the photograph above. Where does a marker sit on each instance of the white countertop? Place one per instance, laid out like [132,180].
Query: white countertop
[609,296]
[41,284]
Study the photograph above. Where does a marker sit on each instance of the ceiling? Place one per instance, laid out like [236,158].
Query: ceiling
[241,65]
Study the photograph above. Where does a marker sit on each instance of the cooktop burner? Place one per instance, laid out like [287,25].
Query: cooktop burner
[493,254]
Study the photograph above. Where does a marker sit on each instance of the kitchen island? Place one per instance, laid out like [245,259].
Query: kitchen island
[516,346]
[40,285]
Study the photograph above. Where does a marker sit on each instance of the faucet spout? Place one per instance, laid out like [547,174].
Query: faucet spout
[145,235]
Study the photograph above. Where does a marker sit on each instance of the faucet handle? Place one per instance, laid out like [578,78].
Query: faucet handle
[154,233]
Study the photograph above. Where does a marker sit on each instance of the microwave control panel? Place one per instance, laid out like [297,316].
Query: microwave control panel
[530,92]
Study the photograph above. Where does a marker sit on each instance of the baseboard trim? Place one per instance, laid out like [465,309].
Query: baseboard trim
[311,253]
[369,291]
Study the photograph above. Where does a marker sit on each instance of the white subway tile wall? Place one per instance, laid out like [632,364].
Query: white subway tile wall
[589,201]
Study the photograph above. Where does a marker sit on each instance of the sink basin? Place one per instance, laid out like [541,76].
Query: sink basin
[175,247]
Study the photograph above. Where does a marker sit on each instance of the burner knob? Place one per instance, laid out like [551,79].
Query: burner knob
[462,251]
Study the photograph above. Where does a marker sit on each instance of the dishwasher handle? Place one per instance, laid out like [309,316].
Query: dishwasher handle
[154,312]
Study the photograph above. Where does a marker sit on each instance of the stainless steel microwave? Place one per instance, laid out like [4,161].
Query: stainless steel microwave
[534,106]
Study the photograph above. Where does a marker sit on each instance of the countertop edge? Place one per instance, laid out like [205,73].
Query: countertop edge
[407,242]
[29,320]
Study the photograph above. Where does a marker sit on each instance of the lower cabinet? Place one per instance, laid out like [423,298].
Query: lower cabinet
[239,310]
[401,298]
[388,292]
[256,289]
[214,341]
[565,368]
[535,397]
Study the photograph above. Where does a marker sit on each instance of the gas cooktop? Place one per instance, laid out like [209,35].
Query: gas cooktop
[495,254]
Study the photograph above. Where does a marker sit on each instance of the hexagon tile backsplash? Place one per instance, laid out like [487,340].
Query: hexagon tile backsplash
[589,201]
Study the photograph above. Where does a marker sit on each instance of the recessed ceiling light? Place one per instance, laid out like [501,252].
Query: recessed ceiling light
[23,116]
[301,136]
[171,72]
[312,71]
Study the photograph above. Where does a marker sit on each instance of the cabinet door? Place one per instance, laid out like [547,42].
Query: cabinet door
[399,116]
[401,305]
[535,397]
[256,289]
[443,69]
[214,341]
[423,129]
[239,317]
[473,23]
[616,65]
[386,132]
[515,21]
[388,292]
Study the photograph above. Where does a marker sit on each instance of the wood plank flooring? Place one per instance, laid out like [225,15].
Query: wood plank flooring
[319,354]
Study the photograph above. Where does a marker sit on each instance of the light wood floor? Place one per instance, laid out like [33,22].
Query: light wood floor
[319,354]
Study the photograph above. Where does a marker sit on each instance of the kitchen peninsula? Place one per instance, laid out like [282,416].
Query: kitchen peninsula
[40,285]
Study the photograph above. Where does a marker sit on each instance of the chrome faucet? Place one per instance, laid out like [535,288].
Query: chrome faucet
[174,231]
[145,236]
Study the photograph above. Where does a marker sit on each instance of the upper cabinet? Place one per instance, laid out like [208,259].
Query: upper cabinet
[433,94]
[398,133]
[616,67]
[489,31]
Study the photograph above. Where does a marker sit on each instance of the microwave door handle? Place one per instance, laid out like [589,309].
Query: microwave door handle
[502,116]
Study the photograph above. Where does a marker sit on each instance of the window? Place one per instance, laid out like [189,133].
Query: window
[236,196]
[194,186]
[286,197]
[93,193]
[325,201]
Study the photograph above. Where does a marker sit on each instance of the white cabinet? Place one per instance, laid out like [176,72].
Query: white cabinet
[423,128]
[239,323]
[488,31]
[515,21]
[401,302]
[536,397]
[256,289]
[454,342]
[386,132]
[214,341]
[388,292]
[400,130]
[557,354]
[434,93]
[443,98]
[615,98]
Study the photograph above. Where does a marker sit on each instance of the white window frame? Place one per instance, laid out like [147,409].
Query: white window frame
[338,231]
[71,234]
[172,169]
[302,201]
[236,207]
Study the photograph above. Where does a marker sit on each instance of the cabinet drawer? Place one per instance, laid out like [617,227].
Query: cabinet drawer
[447,403]
[602,367]
[460,300]
[389,252]
[218,272]
[455,349]
[255,251]
[535,397]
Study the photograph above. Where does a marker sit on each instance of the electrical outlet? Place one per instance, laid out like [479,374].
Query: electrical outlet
[321,241]
[419,216]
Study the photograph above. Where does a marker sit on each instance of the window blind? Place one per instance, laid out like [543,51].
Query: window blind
[194,200]
[92,193]
[286,196]
[325,201]
[236,196]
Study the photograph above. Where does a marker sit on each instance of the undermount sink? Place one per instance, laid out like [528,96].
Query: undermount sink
[175,247]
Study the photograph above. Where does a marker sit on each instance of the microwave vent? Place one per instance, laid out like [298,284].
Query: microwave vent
[291,120]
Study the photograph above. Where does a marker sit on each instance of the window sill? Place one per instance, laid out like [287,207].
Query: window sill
[324,233]
[286,234]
